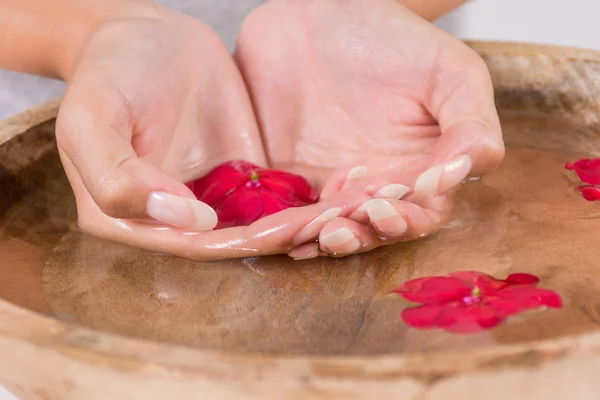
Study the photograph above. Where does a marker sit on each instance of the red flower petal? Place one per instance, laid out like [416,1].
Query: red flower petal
[213,187]
[454,317]
[292,189]
[522,279]
[240,208]
[472,319]
[518,299]
[426,316]
[590,193]
[434,290]
[271,203]
[242,192]
[484,282]
[588,170]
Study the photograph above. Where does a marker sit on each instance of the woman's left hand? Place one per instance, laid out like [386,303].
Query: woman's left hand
[368,97]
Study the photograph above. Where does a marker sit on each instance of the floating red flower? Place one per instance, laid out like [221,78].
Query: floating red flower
[590,193]
[467,301]
[588,171]
[241,192]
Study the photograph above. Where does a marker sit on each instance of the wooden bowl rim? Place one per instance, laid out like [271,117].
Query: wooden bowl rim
[125,354]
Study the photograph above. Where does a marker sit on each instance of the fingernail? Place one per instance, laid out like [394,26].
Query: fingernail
[341,241]
[312,230]
[181,212]
[357,173]
[338,237]
[328,215]
[380,210]
[441,178]
[366,205]
[304,254]
[393,191]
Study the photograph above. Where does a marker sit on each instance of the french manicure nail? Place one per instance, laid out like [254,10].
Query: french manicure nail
[380,210]
[357,173]
[439,179]
[393,191]
[312,229]
[366,205]
[328,215]
[336,238]
[180,212]
[304,254]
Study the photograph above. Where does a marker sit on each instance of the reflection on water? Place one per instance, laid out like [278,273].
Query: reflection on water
[525,217]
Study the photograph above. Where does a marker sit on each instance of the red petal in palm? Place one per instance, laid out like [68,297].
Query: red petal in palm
[241,192]
[469,301]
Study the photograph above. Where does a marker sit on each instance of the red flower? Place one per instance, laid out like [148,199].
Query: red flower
[465,302]
[588,170]
[241,192]
[590,193]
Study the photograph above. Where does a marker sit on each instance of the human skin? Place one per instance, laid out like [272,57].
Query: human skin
[431,9]
[45,37]
[164,112]
[376,99]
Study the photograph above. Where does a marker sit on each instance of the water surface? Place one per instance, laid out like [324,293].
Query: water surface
[525,217]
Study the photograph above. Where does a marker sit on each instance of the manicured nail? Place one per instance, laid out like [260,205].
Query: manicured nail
[311,231]
[387,218]
[181,212]
[341,241]
[336,238]
[328,215]
[379,210]
[303,253]
[393,191]
[439,179]
[357,173]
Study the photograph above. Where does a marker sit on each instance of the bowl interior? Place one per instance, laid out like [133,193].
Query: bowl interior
[525,217]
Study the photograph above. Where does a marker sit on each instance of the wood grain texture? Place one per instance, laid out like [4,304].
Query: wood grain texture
[548,98]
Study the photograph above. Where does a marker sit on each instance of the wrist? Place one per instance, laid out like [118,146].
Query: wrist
[431,9]
[72,33]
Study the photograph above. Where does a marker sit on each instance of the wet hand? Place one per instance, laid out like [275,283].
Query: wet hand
[155,100]
[368,98]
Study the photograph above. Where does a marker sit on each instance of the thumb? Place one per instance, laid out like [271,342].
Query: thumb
[471,142]
[121,184]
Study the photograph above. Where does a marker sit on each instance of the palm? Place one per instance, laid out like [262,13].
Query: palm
[180,112]
[355,85]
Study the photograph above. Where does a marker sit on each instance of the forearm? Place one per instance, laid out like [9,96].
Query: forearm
[432,9]
[46,37]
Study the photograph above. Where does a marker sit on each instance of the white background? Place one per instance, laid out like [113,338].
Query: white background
[570,23]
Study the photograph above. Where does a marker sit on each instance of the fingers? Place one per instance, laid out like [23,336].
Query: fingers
[270,235]
[94,138]
[462,100]
[358,178]
[385,222]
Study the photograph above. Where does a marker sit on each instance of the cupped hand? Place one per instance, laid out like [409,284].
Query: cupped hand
[154,101]
[369,98]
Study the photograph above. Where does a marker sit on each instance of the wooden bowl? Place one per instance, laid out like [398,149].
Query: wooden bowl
[81,318]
